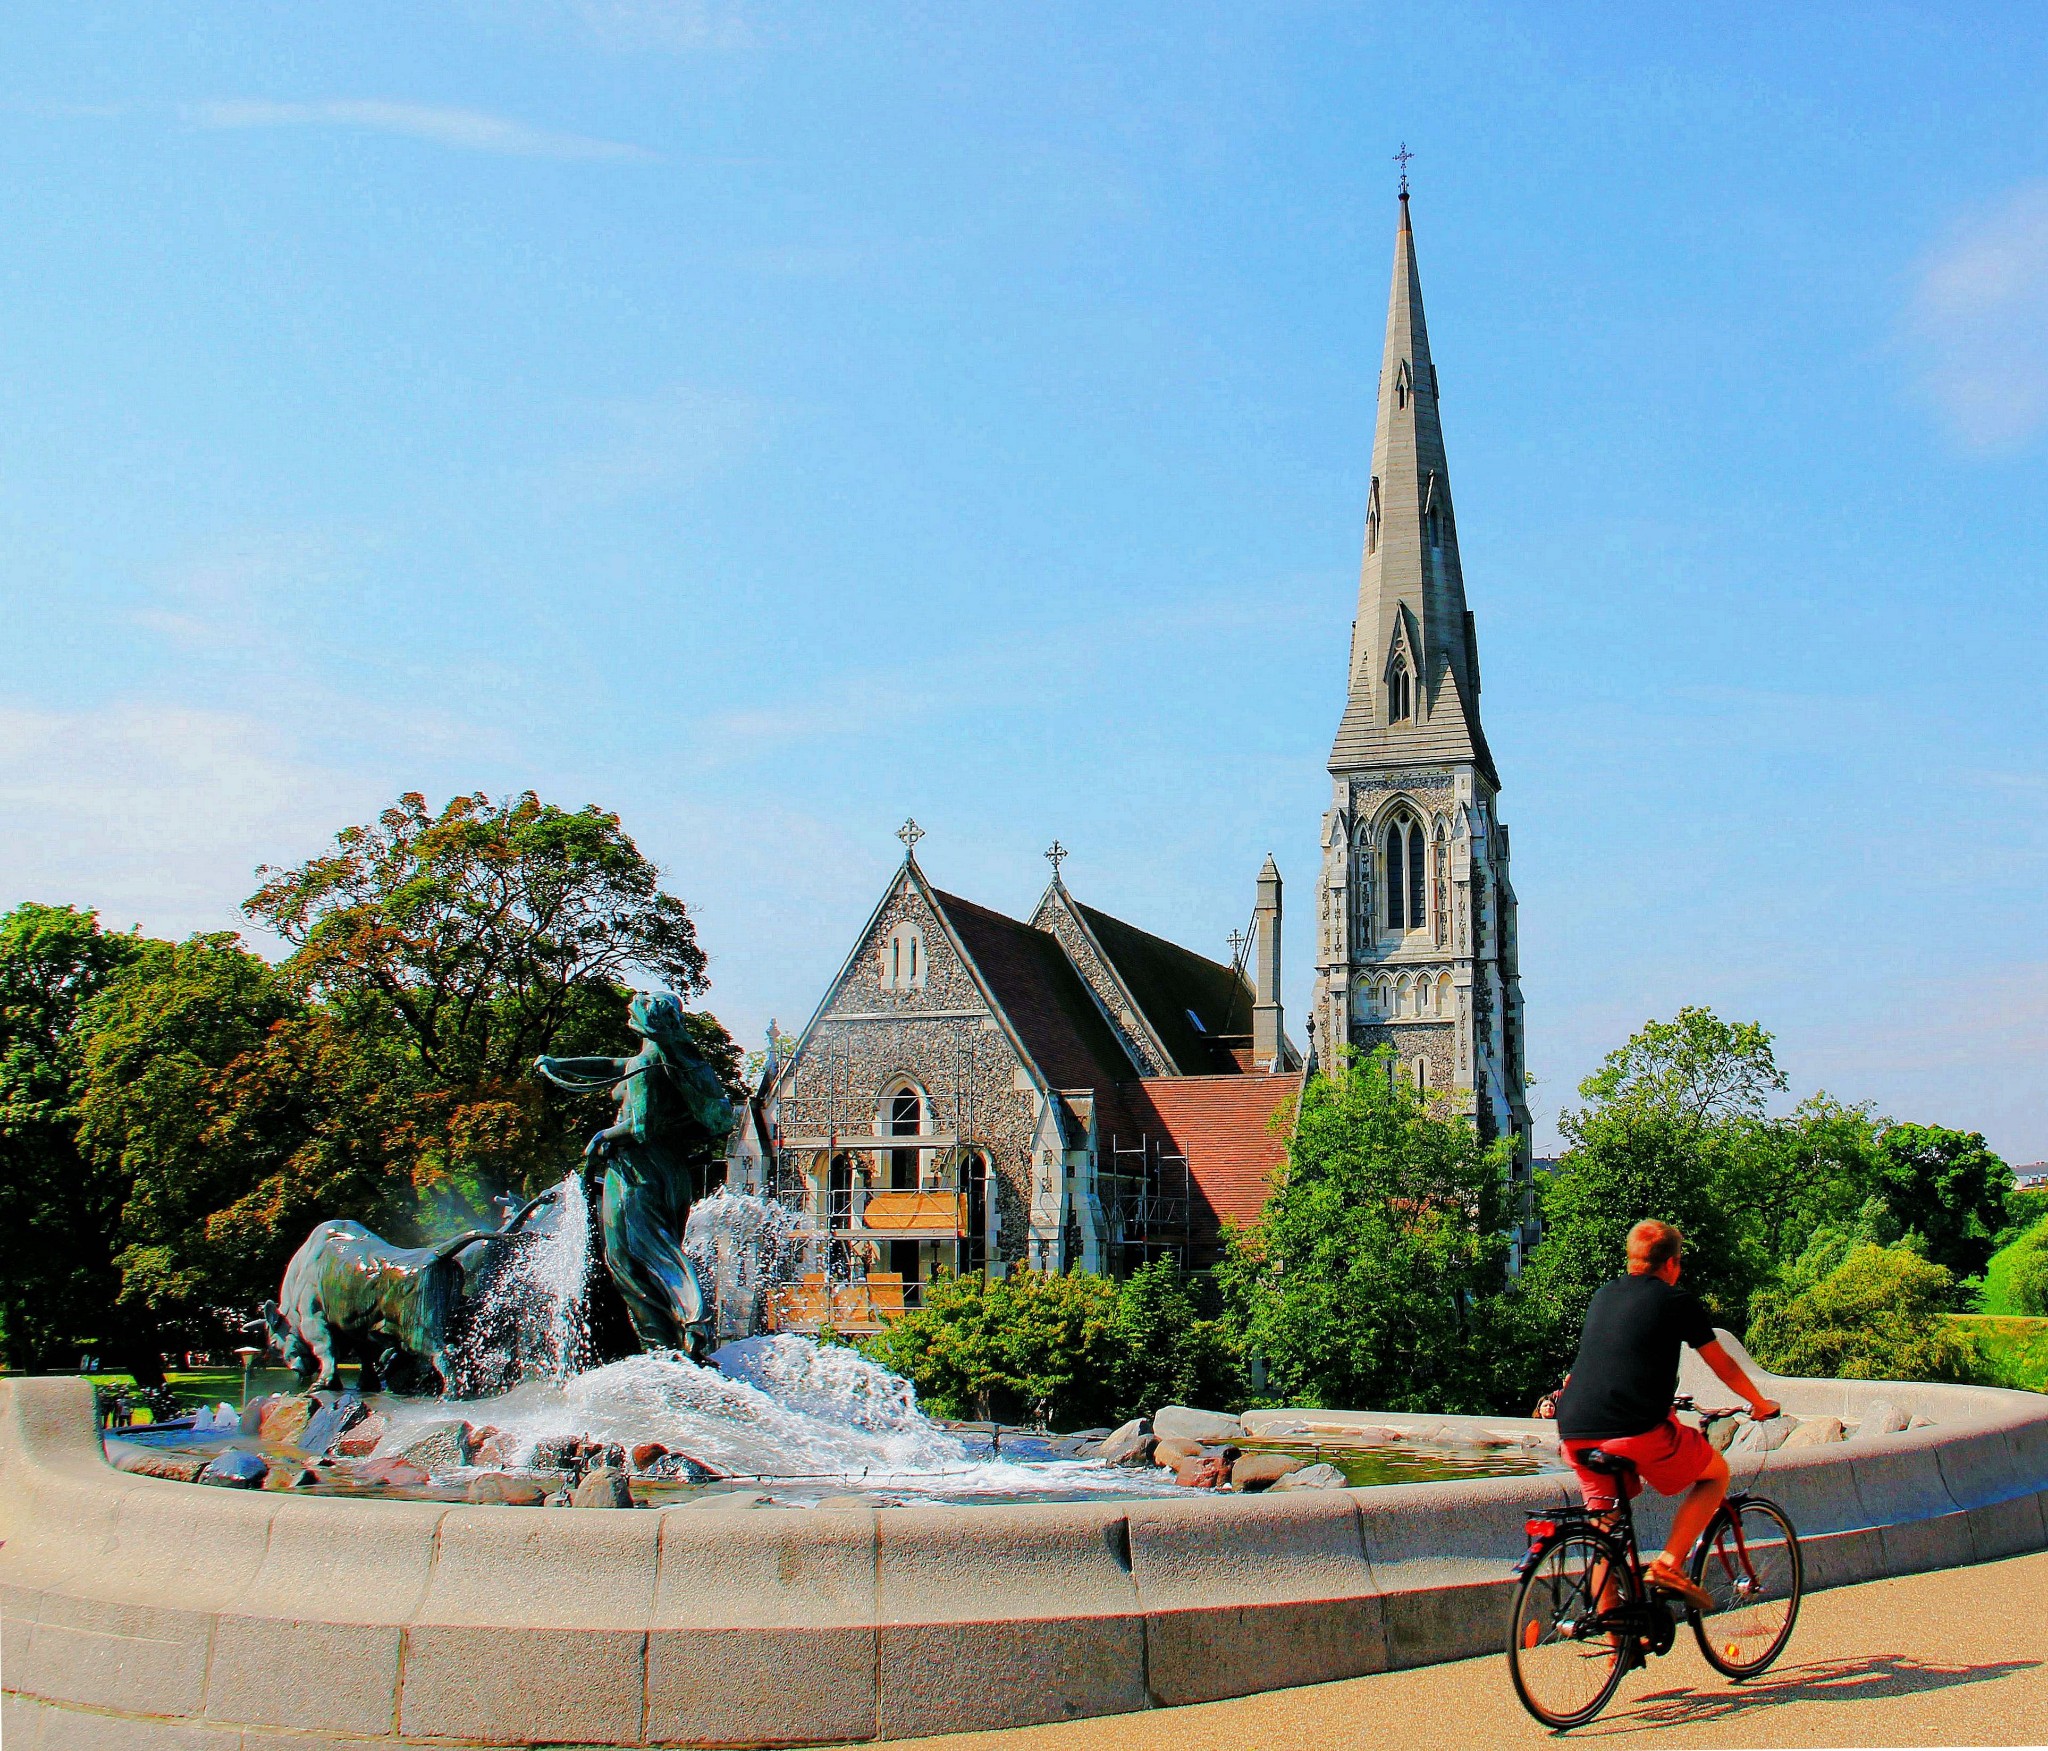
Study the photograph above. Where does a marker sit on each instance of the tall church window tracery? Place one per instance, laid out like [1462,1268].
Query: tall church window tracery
[1417,877]
[903,959]
[1400,700]
[1440,911]
[1397,883]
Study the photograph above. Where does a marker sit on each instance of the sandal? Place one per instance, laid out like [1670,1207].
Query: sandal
[1666,1578]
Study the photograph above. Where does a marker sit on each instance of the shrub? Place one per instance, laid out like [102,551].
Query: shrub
[1881,1314]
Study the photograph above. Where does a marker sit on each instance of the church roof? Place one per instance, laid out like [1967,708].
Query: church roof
[1411,581]
[1224,1126]
[1042,997]
[1189,1000]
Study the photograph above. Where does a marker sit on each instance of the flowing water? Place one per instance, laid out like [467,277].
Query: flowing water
[744,1249]
[530,1320]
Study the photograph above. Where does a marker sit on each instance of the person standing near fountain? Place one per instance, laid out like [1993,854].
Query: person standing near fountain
[673,1116]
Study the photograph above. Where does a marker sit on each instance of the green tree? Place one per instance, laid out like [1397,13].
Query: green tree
[158,1038]
[1946,1187]
[1377,1273]
[1176,1348]
[1881,1313]
[484,930]
[1792,1177]
[57,1213]
[1025,1347]
[1674,1128]
[2026,1282]
[1695,1070]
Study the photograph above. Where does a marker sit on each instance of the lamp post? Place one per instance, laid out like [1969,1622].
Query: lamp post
[248,1353]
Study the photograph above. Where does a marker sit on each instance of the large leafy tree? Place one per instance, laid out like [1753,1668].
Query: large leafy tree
[1946,1187]
[1863,1312]
[1673,1128]
[1377,1275]
[57,1213]
[488,931]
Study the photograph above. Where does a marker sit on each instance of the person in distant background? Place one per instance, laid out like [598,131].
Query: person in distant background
[1618,1398]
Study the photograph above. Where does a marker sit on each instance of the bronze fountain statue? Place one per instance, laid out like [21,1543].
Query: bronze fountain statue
[673,1115]
[396,1308]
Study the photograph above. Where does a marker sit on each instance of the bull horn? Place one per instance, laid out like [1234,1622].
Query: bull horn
[447,1249]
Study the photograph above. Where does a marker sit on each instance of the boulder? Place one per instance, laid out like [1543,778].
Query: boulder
[1179,1422]
[1172,1450]
[1721,1431]
[1815,1432]
[603,1486]
[506,1488]
[1920,1422]
[1205,1471]
[252,1413]
[557,1452]
[1881,1417]
[1258,1471]
[334,1414]
[236,1470]
[284,1420]
[155,1462]
[1320,1476]
[361,1439]
[440,1447]
[289,1474]
[392,1472]
[646,1454]
[681,1468]
[1130,1445]
[493,1453]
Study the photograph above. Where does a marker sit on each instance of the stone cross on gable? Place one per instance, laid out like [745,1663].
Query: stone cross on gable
[1401,158]
[910,833]
[1056,854]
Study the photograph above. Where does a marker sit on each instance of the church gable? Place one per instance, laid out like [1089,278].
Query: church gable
[1059,917]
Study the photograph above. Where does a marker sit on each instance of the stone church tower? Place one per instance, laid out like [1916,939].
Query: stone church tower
[1416,915]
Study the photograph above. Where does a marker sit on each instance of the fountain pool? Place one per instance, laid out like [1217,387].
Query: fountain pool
[781,1417]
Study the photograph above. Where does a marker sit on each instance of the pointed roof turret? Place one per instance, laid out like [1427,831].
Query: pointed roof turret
[1414,682]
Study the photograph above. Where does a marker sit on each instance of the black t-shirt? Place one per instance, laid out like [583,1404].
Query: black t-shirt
[1627,1366]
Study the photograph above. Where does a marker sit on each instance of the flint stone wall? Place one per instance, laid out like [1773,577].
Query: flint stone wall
[137,1611]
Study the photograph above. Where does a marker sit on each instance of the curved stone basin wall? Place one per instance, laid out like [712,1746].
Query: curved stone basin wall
[142,1612]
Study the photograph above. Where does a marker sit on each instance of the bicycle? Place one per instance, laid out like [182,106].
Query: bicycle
[1584,1617]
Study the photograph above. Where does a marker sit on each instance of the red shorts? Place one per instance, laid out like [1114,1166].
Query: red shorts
[1671,1457]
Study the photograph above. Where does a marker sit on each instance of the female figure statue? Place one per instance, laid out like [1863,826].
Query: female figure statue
[672,1116]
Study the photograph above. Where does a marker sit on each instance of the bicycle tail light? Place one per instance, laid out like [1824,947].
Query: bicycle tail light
[1539,1528]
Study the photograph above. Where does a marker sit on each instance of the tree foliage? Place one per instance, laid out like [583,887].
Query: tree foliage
[1868,1313]
[57,1214]
[1025,1347]
[480,929]
[1946,1187]
[1377,1274]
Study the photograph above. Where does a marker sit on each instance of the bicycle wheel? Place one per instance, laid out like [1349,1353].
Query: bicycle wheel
[1749,1560]
[1564,1664]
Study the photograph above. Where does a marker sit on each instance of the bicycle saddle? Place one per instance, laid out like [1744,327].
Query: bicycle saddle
[1612,1464]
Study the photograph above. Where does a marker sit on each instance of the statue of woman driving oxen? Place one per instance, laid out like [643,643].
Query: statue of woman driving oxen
[673,1117]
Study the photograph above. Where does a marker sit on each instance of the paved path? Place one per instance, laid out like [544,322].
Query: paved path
[1954,1658]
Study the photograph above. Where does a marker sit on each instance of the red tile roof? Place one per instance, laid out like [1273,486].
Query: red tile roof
[1223,1125]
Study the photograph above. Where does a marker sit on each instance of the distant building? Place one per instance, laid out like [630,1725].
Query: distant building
[977,1092]
[2032,1177]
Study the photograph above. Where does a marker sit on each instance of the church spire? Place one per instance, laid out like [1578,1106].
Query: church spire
[1414,682]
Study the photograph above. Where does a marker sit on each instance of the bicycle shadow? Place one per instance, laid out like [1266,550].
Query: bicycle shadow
[1860,1680]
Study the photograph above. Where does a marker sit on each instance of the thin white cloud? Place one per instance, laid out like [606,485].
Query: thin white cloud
[158,814]
[1979,323]
[465,130]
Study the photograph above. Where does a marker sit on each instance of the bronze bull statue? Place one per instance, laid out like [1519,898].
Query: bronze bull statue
[392,1306]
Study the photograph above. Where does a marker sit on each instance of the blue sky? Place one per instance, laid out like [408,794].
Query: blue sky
[772,422]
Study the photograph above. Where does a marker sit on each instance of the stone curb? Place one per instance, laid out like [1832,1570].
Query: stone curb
[139,1611]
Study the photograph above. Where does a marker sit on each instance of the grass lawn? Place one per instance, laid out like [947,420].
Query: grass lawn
[220,1385]
[2016,1348]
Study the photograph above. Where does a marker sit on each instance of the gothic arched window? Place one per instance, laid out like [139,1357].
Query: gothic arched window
[1372,517]
[1418,876]
[1440,913]
[1399,699]
[906,1119]
[1397,881]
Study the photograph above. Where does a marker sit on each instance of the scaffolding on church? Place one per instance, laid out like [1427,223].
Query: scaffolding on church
[1147,1199]
[881,1189]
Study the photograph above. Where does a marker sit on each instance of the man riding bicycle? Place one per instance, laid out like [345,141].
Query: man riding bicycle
[1618,1398]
